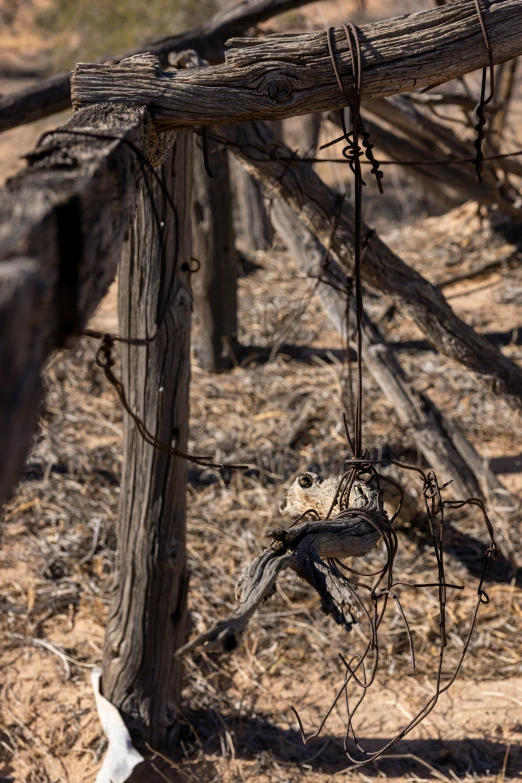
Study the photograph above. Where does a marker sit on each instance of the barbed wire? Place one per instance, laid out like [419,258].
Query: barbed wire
[296,160]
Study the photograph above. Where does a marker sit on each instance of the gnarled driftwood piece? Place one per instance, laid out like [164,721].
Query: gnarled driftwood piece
[302,549]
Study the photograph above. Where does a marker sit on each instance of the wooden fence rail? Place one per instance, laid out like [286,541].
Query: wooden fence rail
[52,95]
[287,75]
[63,221]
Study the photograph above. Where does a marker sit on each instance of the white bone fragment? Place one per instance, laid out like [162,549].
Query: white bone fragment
[121,756]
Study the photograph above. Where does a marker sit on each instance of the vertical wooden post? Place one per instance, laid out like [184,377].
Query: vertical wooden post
[147,620]
[215,284]
[251,219]
[251,222]
[310,129]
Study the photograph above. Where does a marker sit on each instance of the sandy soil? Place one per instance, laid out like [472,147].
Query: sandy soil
[57,559]
[57,556]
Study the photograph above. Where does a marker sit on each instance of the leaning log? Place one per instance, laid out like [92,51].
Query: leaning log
[505,84]
[440,441]
[286,75]
[253,227]
[146,624]
[63,222]
[52,95]
[310,130]
[318,206]
[252,224]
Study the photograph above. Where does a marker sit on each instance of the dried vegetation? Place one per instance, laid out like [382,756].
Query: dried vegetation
[282,417]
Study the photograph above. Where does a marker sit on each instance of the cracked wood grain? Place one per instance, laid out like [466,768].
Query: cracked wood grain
[63,222]
[284,75]
[147,618]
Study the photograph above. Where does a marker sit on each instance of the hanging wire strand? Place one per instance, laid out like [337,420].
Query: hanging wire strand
[378,592]
[480,110]
[361,670]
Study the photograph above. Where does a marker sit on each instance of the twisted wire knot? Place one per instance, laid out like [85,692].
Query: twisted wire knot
[352,153]
[479,127]
[481,135]
[368,151]
[104,357]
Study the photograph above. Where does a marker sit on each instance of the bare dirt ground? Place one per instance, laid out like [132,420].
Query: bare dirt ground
[57,558]
[57,555]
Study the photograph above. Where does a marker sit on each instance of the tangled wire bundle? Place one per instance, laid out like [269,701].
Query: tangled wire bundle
[315,548]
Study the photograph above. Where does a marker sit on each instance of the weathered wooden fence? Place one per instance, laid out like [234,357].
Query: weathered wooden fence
[80,204]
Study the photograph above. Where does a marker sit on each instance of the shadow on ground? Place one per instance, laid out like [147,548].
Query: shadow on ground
[271,747]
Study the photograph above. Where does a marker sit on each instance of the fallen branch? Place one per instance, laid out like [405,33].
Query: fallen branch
[288,75]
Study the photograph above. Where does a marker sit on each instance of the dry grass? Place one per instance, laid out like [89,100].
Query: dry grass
[283,417]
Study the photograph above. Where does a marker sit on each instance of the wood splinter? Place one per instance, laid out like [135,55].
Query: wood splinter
[302,548]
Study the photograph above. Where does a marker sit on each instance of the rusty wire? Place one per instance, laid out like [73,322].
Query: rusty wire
[295,159]
[105,361]
[361,670]
[483,102]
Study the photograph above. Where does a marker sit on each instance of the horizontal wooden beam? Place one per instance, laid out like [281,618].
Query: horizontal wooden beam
[52,95]
[47,96]
[63,221]
[285,75]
